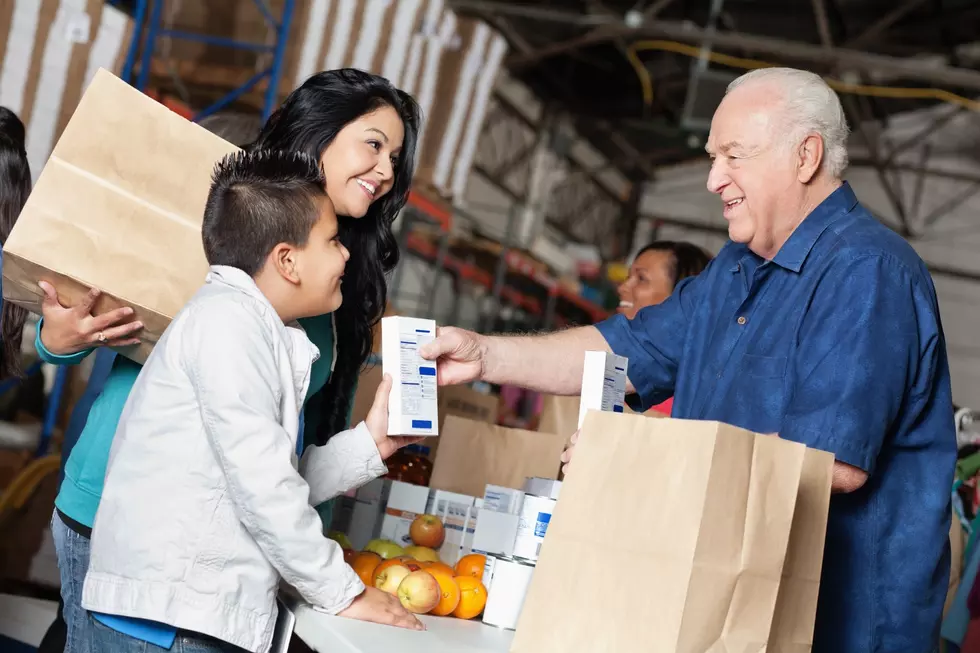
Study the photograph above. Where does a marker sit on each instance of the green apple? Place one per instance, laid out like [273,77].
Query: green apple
[385,548]
[340,539]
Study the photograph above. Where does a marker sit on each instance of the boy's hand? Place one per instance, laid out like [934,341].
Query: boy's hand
[381,608]
[377,423]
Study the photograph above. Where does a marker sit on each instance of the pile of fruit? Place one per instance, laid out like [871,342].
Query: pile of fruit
[415,574]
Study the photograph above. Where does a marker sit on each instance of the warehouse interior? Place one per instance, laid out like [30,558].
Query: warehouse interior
[560,137]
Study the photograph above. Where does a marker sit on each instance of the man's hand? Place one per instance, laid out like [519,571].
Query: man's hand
[460,355]
[846,478]
[377,422]
[566,456]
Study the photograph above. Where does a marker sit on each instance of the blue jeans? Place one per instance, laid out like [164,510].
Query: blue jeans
[99,637]
[73,553]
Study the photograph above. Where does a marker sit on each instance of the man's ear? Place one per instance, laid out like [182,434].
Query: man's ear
[283,257]
[810,157]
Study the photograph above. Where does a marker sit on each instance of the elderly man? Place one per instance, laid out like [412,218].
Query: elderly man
[815,322]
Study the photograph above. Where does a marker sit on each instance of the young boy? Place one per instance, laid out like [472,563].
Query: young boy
[203,509]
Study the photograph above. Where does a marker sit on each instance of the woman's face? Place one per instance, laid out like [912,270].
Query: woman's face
[649,282]
[359,163]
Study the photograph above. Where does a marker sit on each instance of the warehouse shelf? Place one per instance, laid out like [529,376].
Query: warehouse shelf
[510,276]
[148,29]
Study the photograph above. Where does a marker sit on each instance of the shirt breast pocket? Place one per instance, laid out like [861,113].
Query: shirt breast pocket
[764,367]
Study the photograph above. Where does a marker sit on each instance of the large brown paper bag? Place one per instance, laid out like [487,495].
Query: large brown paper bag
[796,607]
[698,514]
[117,207]
[472,454]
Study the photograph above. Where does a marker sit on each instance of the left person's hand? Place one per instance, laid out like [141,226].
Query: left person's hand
[377,423]
[68,330]
[566,456]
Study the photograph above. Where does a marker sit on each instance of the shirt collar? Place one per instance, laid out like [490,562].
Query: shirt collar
[795,250]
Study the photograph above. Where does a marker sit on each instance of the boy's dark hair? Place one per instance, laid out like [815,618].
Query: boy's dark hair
[258,199]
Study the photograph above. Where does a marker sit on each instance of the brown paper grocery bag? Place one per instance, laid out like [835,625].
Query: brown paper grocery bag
[118,207]
[472,454]
[669,536]
[796,607]
[559,415]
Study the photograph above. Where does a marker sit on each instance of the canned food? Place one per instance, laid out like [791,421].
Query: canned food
[534,519]
[507,587]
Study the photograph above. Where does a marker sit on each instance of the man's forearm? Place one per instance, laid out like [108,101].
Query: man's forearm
[550,363]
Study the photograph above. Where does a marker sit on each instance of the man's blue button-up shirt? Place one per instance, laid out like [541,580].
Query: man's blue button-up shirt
[835,343]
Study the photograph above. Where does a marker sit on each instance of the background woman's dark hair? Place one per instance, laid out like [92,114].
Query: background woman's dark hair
[15,186]
[308,121]
[687,260]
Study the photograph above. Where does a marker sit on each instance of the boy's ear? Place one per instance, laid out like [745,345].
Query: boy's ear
[284,259]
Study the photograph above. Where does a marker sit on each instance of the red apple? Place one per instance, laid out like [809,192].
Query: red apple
[428,531]
[349,555]
[419,592]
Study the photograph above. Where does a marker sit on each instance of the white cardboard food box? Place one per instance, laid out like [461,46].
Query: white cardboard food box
[603,384]
[458,513]
[413,406]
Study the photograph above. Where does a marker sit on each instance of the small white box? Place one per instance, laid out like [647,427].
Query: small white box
[405,503]
[502,499]
[360,516]
[413,406]
[542,487]
[495,532]
[603,384]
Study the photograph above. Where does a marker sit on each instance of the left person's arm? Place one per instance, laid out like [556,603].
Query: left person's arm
[868,334]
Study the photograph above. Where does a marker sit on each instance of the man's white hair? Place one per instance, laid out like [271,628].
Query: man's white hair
[811,106]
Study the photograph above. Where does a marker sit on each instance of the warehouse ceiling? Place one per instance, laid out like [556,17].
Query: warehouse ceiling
[589,58]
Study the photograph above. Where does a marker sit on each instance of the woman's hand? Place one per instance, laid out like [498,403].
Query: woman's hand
[377,423]
[69,330]
[381,608]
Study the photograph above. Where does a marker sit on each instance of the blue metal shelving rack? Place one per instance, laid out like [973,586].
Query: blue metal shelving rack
[147,19]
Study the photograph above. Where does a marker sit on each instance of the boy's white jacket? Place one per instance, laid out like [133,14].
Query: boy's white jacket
[204,508]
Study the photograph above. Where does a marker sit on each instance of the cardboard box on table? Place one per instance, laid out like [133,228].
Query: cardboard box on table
[722,531]
[474,454]
[117,207]
[453,400]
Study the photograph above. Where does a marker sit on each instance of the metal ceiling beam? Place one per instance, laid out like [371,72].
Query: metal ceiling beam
[600,34]
[876,29]
[952,175]
[780,49]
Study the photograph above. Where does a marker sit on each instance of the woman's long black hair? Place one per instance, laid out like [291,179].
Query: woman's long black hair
[15,186]
[308,121]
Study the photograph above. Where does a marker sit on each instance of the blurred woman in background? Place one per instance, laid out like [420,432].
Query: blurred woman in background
[655,272]
[15,186]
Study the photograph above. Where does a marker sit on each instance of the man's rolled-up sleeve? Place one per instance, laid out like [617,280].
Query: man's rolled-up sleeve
[653,341]
[870,342]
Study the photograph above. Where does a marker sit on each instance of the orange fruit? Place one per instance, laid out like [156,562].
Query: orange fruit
[471,565]
[364,565]
[440,566]
[384,565]
[472,597]
[448,592]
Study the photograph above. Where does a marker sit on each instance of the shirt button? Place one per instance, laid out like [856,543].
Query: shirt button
[741,320]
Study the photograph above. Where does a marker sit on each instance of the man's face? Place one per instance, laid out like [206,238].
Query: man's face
[752,171]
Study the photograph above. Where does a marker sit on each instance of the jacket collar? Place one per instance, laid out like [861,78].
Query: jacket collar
[237,279]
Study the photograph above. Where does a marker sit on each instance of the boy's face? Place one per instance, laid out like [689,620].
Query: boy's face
[322,262]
